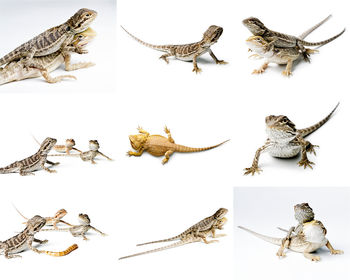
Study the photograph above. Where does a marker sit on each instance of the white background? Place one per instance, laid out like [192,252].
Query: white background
[138,199]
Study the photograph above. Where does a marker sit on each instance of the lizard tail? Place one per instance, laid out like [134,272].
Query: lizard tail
[310,44]
[64,155]
[273,240]
[55,229]
[306,131]
[69,250]
[19,212]
[176,244]
[312,29]
[160,241]
[155,47]
[184,149]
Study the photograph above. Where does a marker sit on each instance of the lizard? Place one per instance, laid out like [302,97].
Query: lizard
[79,230]
[25,239]
[16,70]
[69,145]
[158,145]
[51,40]
[91,154]
[309,236]
[274,55]
[34,162]
[51,221]
[189,52]
[285,141]
[277,39]
[195,233]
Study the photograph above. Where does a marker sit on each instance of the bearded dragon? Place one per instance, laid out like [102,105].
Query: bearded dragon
[24,240]
[196,233]
[276,39]
[309,236]
[158,145]
[52,40]
[189,52]
[16,70]
[285,141]
[79,230]
[34,162]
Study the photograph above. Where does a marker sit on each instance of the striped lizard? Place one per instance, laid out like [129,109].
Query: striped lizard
[24,240]
[309,236]
[285,141]
[189,52]
[34,162]
[52,40]
[196,233]
[16,70]
[158,145]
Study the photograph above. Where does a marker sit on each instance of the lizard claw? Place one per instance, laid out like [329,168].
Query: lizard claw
[221,62]
[305,163]
[337,252]
[311,149]
[252,170]
[197,70]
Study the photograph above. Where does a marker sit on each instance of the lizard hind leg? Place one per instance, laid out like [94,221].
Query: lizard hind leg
[53,80]
[75,66]
[170,138]
[333,251]
[167,156]
[165,57]
[261,69]
[288,71]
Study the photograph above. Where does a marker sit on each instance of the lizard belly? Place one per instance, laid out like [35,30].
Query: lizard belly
[19,249]
[284,151]
[189,57]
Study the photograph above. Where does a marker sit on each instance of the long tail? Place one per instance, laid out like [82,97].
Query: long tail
[184,149]
[20,212]
[174,245]
[311,44]
[160,241]
[310,30]
[64,155]
[273,240]
[306,131]
[55,229]
[69,250]
[155,47]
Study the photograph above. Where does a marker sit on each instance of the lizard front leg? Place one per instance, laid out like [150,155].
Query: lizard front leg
[30,246]
[53,80]
[217,61]
[167,156]
[40,241]
[261,69]
[285,243]
[167,131]
[312,257]
[304,160]
[288,71]
[101,154]
[255,168]
[76,66]
[52,163]
[142,131]
[333,251]
[195,66]
[42,165]
[135,154]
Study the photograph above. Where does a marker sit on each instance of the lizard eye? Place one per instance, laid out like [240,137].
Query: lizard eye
[68,28]
[87,15]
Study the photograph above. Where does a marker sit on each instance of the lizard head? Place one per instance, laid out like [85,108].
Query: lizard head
[221,222]
[60,214]
[137,141]
[257,43]
[47,145]
[303,213]
[94,145]
[220,213]
[82,39]
[35,224]
[84,219]
[81,20]
[280,127]
[212,35]
[254,25]
[70,143]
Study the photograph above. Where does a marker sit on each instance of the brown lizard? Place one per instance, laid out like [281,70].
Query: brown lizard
[189,52]
[34,162]
[285,141]
[309,236]
[278,39]
[158,145]
[16,70]
[79,230]
[51,221]
[70,143]
[91,154]
[274,55]
[52,40]
[198,232]
[24,240]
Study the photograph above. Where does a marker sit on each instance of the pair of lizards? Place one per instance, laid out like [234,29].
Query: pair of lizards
[281,48]
[308,236]
[24,240]
[274,46]
[47,51]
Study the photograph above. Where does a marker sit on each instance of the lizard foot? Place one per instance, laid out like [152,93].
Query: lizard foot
[305,163]
[280,254]
[337,252]
[165,58]
[221,62]
[287,73]
[166,130]
[311,149]
[197,70]
[252,170]
[13,256]
[165,160]
[258,71]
